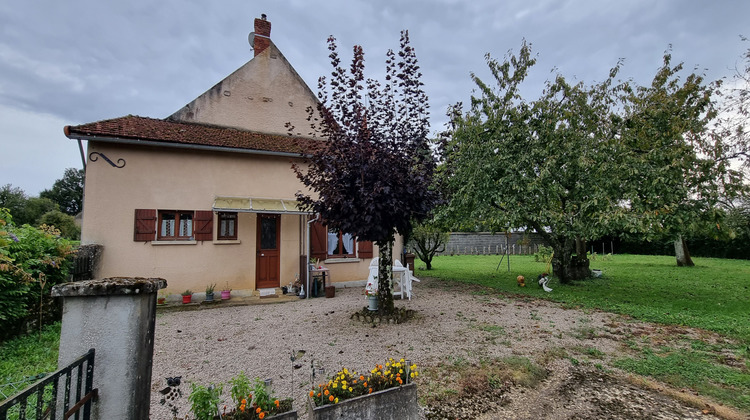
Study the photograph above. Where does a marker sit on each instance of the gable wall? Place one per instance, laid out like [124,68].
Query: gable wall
[262,95]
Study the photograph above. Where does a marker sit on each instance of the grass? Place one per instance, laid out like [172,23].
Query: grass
[27,357]
[714,295]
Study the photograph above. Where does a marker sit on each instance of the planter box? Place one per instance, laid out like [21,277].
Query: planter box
[393,403]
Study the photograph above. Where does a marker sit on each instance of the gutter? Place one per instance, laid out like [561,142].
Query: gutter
[118,140]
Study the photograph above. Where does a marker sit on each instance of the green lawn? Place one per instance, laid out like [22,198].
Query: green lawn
[714,295]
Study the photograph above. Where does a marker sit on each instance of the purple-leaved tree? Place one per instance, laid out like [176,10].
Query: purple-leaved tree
[374,176]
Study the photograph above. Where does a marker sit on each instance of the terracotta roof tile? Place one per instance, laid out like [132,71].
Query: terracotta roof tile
[162,131]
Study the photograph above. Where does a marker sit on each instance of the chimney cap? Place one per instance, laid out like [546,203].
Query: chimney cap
[263,16]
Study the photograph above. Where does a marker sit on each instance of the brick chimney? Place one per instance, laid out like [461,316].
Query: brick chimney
[262,37]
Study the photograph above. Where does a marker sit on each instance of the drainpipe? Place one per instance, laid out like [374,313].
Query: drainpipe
[309,249]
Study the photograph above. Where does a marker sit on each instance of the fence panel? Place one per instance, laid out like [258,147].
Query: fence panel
[45,400]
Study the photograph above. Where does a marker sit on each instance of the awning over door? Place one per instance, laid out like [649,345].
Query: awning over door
[258,205]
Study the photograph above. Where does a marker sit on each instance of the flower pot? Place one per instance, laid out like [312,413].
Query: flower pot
[187,298]
[225,294]
[289,415]
[392,403]
[209,297]
[161,301]
[372,303]
[330,291]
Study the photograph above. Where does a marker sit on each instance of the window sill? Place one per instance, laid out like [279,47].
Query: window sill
[341,260]
[227,242]
[174,242]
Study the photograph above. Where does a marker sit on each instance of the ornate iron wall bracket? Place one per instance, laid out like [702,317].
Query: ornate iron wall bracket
[94,156]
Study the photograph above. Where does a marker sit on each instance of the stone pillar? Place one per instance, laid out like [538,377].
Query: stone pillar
[115,316]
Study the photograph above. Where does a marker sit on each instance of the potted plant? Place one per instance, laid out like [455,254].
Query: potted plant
[204,401]
[371,293]
[351,395]
[210,292]
[187,296]
[162,298]
[226,293]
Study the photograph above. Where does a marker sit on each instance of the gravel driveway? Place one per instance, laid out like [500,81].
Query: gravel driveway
[453,322]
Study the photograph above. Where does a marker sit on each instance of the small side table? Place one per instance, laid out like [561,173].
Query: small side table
[324,273]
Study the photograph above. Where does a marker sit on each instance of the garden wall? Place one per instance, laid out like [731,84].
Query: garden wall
[487,243]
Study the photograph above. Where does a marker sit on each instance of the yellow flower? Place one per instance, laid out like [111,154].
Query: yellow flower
[402,360]
[350,389]
[411,374]
[336,401]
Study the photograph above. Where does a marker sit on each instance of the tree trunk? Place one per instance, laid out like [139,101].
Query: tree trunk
[681,253]
[567,265]
[385,272]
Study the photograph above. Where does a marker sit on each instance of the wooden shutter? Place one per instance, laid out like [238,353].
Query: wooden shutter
[318,241]
[365,249]
[145,225]
[204,225]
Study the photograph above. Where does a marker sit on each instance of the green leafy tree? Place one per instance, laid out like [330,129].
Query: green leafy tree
[676,174]
[544,164]
[14,199]
[36,207]
[374,174]
[428,240]
[65,223]
[67,191]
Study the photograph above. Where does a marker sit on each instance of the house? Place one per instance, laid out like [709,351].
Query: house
[207,195]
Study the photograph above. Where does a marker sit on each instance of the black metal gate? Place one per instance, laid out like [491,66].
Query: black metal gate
[45,400]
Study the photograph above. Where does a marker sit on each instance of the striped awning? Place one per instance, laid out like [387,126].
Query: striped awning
[258,205]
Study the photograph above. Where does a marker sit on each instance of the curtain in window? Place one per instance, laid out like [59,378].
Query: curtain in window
[348,242]
[333,243]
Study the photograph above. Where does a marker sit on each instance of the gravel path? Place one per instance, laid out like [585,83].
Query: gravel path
[453,322]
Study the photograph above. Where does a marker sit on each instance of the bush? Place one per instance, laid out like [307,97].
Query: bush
[543,254]
[32,260]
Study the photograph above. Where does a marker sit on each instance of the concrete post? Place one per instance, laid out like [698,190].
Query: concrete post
[115,316]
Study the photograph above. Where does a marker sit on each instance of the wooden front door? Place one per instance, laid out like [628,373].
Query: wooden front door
[268,262]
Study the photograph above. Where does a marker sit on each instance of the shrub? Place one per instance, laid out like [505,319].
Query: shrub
[204,400]
[32,260]
[543,254]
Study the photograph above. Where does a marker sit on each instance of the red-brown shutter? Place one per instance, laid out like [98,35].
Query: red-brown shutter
[365,249]
[318,241]
[204,225]
[145,225]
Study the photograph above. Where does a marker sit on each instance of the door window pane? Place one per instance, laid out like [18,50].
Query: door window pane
[268,233]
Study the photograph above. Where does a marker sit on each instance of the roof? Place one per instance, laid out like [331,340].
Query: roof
[152,131]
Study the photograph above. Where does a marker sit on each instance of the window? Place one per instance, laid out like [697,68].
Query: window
[340,244]
[336,244]
[227,226]
[175,225]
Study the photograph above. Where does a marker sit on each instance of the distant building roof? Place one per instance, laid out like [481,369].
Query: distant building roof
[151,131]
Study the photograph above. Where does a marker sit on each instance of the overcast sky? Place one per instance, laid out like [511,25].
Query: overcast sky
[77,61]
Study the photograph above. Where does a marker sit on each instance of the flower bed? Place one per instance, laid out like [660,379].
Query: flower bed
[386,389]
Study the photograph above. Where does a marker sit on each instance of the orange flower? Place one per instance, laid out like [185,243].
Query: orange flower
[326,392]
[330,398]
[370,392]
[365,384]
[257,410]
[318,394]
[277,402]
[361,378]
[312,394]
[261,415]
